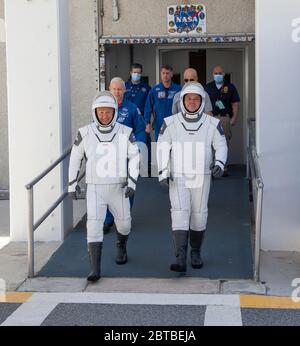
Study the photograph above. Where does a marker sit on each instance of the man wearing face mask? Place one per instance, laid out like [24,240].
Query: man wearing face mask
[186,162]
[137,92]
[225,101]
[136,89]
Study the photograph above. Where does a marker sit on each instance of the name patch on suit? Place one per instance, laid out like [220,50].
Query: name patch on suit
[161,94]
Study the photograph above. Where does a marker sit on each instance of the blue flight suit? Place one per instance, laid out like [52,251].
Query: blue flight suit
[129,115]
[159,102]
[137,94]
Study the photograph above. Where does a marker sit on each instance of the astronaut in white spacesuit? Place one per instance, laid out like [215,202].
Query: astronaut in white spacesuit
[185,164]
[112,169]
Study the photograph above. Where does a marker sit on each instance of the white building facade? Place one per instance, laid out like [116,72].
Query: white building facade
[83,44]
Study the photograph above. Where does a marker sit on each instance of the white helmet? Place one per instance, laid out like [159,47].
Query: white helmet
[105,99]
[192,88]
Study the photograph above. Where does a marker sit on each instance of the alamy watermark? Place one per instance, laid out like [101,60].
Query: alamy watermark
[179,159]
[296,291]
[296,31]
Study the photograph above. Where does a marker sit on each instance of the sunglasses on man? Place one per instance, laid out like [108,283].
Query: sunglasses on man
[189,80]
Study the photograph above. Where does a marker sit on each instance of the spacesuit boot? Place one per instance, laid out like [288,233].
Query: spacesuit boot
[95,250]
[180,239]
[121,248]
[196,239]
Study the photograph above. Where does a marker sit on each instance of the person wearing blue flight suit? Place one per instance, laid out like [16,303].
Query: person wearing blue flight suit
[129,115]
[160,100]
[137,92]
[225,102]
[136,89]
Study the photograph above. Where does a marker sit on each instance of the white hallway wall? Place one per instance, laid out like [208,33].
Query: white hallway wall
[39,112]
[278,121]
[4,180]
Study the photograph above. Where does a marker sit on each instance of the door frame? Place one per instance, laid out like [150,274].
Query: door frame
[243,47]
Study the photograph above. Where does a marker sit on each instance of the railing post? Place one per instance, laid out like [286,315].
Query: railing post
[258,231]
[248,145]
[30,234]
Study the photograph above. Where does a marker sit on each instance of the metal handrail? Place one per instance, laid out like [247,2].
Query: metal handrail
[255,174]
[49,169]
[32,226]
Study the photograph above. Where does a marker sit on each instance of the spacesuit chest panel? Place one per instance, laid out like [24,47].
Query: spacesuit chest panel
[188,147]
[106,156]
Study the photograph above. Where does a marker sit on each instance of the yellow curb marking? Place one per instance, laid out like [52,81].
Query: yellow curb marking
[260,302]
[15,297]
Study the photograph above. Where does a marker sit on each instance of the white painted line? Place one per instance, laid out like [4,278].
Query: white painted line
[31,313]
[223,316]
[139,298]
[40,305]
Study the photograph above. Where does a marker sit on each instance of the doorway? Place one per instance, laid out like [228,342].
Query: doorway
[204,60]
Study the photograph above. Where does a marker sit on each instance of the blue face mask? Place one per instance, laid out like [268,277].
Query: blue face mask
[136,76]
[219,78]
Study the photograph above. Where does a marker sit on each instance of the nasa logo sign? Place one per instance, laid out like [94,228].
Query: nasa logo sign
[186,19]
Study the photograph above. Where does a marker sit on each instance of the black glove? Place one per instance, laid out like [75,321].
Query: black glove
[164,183]
[129,192]
[216,170]
[74,195]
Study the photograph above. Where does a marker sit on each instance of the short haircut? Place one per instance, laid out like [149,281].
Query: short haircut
[136,65]
[167,67]
[118,79]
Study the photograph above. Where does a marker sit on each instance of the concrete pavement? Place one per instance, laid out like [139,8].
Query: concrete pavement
[278,270]
[13,255]
[140,309]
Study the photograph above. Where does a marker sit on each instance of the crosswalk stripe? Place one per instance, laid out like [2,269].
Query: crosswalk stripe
[32,313]
[221,310]
[223,316]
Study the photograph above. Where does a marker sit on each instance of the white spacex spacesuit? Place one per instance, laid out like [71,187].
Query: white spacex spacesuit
[185,162]
[112,169]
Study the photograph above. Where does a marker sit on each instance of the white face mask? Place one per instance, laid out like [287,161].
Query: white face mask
[136,76]
[219,78]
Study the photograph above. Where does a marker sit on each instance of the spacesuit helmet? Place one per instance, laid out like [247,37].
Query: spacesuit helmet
[192,88]
[105,99]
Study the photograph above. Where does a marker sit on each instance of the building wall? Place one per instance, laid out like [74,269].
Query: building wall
[142,17]
[83,61]
[4,180]
[83,75]
[278,123]
[220,18]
